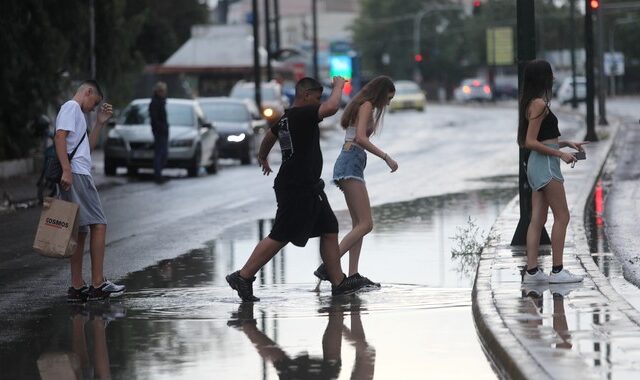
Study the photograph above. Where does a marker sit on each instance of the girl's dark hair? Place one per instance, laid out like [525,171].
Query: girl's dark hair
[376,92]
[536,83]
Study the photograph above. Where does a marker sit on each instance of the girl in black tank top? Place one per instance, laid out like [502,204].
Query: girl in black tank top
[537,124]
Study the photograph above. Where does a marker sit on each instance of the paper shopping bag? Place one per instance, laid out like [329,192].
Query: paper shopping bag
[57,232]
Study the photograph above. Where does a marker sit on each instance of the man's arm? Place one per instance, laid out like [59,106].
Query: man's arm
[265,147]
[332,105]
[60,142]
[106,110]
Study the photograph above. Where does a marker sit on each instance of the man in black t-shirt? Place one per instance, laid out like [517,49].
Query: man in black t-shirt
[303,209]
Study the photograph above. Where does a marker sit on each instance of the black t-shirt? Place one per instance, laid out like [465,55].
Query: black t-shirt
[299,138]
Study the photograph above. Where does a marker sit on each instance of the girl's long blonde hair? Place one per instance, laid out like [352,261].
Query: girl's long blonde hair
[376,92]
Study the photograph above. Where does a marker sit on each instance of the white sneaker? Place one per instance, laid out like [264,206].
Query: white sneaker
[564,277]
[536,278]
[534,290]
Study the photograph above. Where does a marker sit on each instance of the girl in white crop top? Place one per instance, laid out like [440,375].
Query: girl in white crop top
[361,119]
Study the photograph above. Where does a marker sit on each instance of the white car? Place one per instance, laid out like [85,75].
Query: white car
[565,91]
[192,139]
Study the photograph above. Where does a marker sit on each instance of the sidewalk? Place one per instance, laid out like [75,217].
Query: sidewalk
[587,330]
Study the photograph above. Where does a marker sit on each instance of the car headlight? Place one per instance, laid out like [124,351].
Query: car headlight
[115,141]
[182,143]
[236,138]
[268,112]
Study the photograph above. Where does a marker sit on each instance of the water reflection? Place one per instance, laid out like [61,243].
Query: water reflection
[303,365]
[89,354]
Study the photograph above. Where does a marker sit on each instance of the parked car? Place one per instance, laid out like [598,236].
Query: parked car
[472,89]
[565,91]
[273,100]
[408,96]
[237,121]
[192,139]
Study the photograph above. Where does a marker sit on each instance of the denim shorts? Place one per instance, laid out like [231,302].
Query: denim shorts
[350,163]
[541,169]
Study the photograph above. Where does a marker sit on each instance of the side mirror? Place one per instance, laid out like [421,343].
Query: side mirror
[207,125]
[256,116]
[111,123]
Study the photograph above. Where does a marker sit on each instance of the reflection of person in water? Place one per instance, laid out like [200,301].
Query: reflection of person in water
[309,367]
[535,307]
[97,316]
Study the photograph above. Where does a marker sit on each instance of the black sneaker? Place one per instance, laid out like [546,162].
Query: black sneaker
[77,295]
[321,273]
[243,286]
[349,285]
[366,281]
[105,290]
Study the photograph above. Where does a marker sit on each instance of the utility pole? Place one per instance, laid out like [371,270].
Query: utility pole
[256,54]
[276,16]
[572,9]
[602,109]
[92,37]
[588,47]
[526,31]
[314,17]
[267,38]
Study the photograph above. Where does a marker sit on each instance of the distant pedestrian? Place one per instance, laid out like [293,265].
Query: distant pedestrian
[77,186]
[361,118]
[303,209]
[538,131]
[160,129]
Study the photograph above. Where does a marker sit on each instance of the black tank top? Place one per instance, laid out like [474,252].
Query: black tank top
[549,127]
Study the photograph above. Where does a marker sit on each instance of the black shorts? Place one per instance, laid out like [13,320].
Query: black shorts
[301,215]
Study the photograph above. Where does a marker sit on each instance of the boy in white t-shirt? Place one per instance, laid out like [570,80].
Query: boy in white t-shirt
[77,186]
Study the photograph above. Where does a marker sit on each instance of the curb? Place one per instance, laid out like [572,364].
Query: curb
[508,355]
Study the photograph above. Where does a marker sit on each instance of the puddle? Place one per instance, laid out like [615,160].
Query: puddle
[180,320]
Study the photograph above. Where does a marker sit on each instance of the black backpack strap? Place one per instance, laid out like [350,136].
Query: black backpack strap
[73,153]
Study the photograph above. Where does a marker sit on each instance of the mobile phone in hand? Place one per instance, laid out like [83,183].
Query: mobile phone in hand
[580,155]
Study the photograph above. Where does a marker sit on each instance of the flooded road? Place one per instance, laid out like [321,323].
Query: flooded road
[179,320]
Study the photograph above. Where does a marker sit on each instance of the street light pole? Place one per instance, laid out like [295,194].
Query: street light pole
[256,54]
[602,109]
[572,9]
[417,75]
[588,48]
[267,38]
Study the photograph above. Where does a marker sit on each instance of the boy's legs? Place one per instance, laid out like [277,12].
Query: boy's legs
[97,244]
[76,262]
[266,249]
[329,251]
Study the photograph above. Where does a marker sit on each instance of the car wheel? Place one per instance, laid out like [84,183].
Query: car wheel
[109,168]
[192,170]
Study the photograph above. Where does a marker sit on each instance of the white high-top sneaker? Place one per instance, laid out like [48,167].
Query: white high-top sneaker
[564,277]
[536,278]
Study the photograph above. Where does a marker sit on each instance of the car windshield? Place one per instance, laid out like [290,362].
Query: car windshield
[248,92]
[224,111]
[408,88]
[138,114]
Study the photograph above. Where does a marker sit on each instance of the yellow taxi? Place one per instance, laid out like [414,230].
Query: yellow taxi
[408,96]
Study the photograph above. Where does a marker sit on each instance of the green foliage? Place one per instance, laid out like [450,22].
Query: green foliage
[469,239]
[45,45]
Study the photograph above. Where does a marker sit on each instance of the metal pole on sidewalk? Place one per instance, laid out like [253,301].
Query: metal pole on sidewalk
[256,54]
[588,47]
[526,52]
[572,10]
[602,109]
[267,38]
[276,19]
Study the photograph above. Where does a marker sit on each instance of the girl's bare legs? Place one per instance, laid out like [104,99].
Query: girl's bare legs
[357,197]
[556,197]
[539,209]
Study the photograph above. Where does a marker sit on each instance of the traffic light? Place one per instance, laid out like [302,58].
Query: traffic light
[477,7]
[418,57]
[594,4]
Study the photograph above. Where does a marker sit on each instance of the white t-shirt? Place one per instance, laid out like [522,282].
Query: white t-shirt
[70,118]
